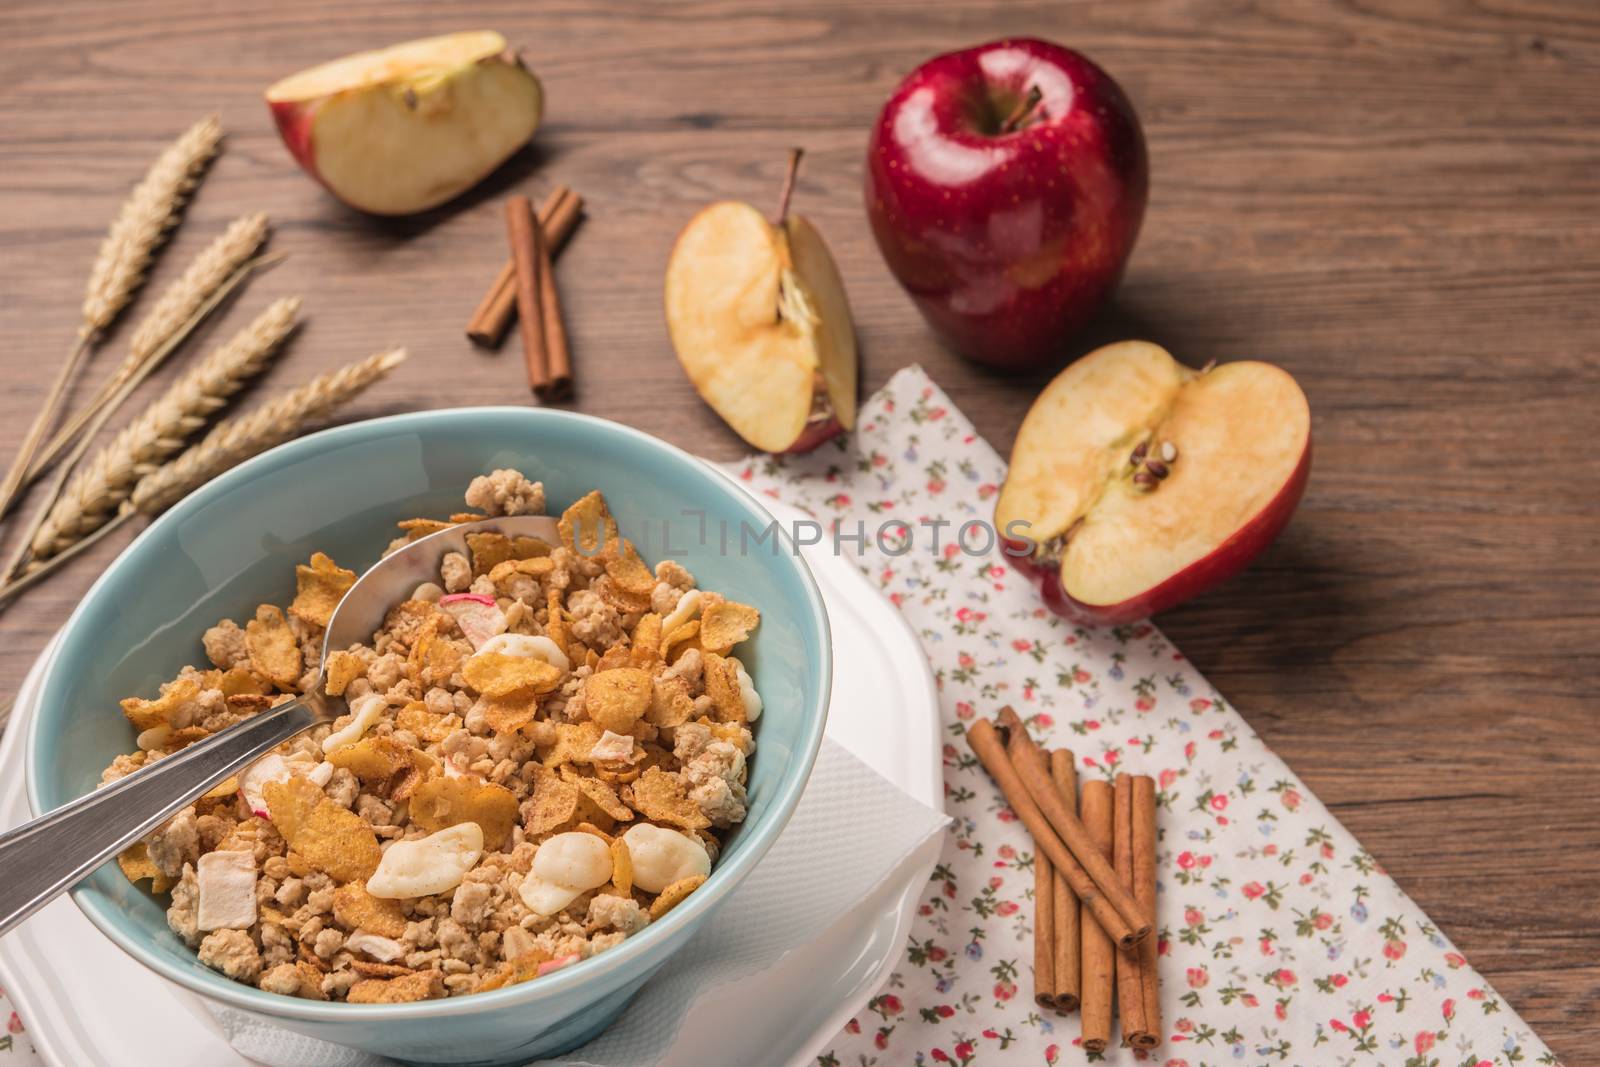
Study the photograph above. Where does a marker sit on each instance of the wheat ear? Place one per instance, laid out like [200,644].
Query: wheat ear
[99,486]
[149,213]
[181,308]
[230,442]
[237,439]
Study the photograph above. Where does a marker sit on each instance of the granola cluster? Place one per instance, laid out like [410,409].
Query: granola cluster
[541,750]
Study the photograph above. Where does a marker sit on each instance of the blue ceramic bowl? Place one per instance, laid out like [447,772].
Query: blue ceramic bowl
[233,544]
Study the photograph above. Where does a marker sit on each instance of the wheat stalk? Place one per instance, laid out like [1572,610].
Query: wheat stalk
[149,213]
[237,439]
[202,278]
[229,443]
[102,484]
[180,309]
[86,437]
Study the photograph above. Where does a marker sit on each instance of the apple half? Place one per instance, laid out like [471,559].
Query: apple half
[406,128]
[1136,482]
[759,318]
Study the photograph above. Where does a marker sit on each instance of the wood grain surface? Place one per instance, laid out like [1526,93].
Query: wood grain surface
[1395,200]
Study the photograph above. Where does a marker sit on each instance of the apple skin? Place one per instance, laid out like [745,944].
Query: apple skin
[1007,242]
[293,119]
[1224,561]
[815,435]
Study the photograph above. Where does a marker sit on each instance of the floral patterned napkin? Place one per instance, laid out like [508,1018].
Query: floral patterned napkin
[15,1048]
[1281,939]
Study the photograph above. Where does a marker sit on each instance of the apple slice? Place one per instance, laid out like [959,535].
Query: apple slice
[1136,482]
[406,128]
[759,318]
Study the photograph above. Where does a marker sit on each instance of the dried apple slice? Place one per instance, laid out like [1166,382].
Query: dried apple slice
[760,321]
[1136,482]
[406,128]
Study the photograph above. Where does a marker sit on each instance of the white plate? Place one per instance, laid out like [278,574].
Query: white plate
[87,1004]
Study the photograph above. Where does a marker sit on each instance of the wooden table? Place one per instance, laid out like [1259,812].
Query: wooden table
[1396,201]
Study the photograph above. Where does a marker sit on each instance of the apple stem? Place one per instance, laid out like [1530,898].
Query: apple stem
[1024,108]
[788,185]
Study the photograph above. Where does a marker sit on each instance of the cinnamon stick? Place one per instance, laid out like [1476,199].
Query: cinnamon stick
[1130,980]
[1044,931]
[492,317]
[1144,891]
[1067,937]
[1099,950]
[526,237]
[558,217]
[987,745]
[1035,776]
[557,381]
[1044,900]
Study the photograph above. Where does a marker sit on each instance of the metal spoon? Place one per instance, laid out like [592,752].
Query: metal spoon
[42,858]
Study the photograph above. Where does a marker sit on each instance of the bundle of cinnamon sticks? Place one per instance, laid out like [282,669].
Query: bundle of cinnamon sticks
[1094,883]
[525,289]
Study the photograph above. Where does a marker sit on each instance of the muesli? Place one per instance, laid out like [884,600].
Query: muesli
[542,749]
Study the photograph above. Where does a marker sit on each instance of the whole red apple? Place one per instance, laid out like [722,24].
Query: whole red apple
[1005,185]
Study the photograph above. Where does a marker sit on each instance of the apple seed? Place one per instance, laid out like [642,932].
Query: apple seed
[1140,450]
[1169,451]
[1158,468]
[1145,480]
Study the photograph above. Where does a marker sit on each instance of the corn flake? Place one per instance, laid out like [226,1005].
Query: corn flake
[522,969]
[674,894]
[342,668]
[722,686]
[725,624]
[318,589]
[147,714]
[385,764]
[488,549]
[662,797]
[630,574]
[574,743]
[137,865]
[599,794]
[429,728]
[673,644]
[615,699]
[670,702]
[525,548]
[533,567]
[235,681]
[497,675]
[419,528]
[507,715]
[616,772]
[355,908]
[646,640]
[422,985]
[327,836]
[310,982]
[621,866]
[375,969]
[446,801]
[588,528]
[554,804]
[274,653]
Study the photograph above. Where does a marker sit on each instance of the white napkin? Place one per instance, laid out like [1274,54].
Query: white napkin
[851,831]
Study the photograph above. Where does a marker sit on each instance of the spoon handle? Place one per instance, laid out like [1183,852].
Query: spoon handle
[42,858]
